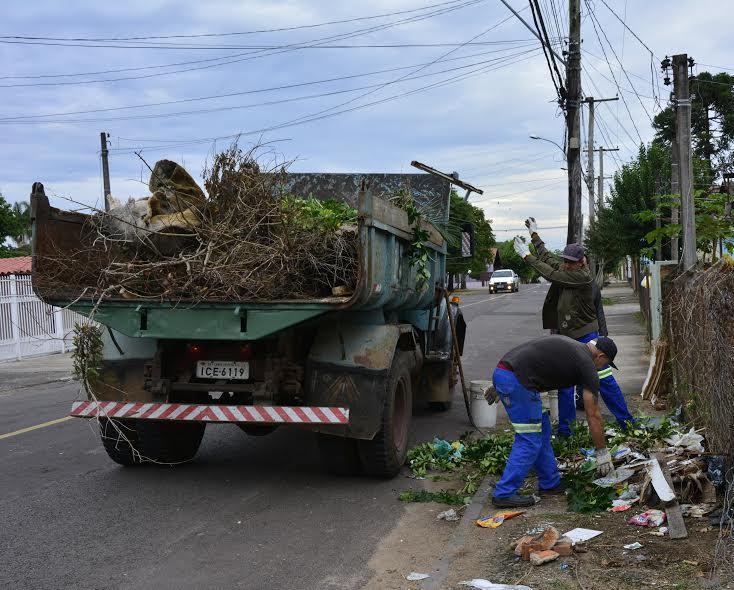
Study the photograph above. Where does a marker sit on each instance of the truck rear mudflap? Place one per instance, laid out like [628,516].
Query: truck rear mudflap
[211,413]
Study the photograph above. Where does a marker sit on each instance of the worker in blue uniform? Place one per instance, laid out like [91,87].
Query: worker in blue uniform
[541,365]
[570,309]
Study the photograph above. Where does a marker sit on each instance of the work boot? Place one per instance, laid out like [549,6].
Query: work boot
[559,490]
[514,501]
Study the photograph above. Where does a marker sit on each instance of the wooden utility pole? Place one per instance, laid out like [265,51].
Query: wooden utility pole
[685,156]
[105,169]
[573,126]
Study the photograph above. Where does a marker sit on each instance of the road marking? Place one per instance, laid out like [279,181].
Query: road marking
[495,298]
[36,427]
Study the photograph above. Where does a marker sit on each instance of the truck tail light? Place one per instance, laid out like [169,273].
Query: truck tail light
[245,352]
[194,351]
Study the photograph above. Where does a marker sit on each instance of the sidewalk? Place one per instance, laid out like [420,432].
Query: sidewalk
[30,372]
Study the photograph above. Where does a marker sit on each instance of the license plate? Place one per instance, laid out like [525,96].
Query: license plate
[223,370]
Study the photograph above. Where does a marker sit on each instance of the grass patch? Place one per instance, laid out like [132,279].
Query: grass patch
[608,301]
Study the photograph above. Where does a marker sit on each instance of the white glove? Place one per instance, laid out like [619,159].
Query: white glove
[604,465]
[531,225]
[521,247]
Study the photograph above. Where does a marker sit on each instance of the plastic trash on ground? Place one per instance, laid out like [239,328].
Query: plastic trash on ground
[579,535]
[482,584]
[615,477]
[688,441]
[649,518]
[448,515]
[416,577]
[493,522]
[633,546]
[444,449]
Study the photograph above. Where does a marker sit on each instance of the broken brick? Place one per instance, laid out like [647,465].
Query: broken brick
[520,543]
[564,547]
[541,557]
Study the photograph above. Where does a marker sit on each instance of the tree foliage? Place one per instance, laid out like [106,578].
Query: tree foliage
[511,259]
[712,121]
[14,221]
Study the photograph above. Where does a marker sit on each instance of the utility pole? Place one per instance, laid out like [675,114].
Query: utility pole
[600,194]
[105,169]
[573,126]
[681,87]
[675,190]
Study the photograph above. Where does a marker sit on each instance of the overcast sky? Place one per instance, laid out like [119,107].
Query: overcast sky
[469,106]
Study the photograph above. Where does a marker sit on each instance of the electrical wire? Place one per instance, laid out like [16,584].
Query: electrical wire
[621,95]
[549,57]
[170,144]
[251,32]
[239,93]
[250,55]
[614,52]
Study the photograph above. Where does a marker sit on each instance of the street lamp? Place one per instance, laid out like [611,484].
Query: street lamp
[550,141]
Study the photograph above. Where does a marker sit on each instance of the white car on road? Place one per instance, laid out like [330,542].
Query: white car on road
[504,280]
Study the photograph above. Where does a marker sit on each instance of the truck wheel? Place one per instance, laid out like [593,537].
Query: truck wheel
[117,437]
[339,455]
[169,442]
[385,454]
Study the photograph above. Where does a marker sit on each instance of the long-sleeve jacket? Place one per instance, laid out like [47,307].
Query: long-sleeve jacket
[569,306]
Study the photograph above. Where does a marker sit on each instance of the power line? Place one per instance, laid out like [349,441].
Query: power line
[241,93]
[170,144]
[524,229]
[624,24]
[549,57]
[505,196]
[250,55]
[252,32]
[624,71]
[624,100]
[379,85]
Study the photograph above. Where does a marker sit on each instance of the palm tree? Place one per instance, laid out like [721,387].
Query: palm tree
[23,231]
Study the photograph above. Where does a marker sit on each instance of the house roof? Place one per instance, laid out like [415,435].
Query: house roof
[20,265]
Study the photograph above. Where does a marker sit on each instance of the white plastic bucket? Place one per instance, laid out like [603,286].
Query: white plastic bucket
[485,414]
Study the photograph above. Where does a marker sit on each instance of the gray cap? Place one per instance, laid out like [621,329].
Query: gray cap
[574,252]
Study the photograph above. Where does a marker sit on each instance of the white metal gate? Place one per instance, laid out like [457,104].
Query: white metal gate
[28,326]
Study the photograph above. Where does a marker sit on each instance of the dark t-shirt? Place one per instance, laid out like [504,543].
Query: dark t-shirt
[553,362]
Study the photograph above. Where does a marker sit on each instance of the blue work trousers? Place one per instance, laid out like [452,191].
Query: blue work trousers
[532,446]
[608,389]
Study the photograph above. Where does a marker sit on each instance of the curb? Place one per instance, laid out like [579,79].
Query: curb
[440,570]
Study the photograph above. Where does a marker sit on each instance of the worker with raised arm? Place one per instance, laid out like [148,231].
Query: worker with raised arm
[570,309]
[550,362]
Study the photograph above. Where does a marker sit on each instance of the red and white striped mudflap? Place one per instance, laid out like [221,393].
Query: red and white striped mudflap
[211,412]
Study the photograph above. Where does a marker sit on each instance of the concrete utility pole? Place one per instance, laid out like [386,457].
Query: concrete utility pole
[685,156]
[105,169]
[675,190]
[573,126]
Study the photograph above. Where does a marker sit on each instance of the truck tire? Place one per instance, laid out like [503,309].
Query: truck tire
[117,436]
[169,442]
[385,454]
[339,455]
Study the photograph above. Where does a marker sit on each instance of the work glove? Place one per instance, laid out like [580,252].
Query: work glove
[521,247]
[532,226]
[604,465]
[491,395]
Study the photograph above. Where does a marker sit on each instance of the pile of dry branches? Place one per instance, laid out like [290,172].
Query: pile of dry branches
[699,316]
[248,240]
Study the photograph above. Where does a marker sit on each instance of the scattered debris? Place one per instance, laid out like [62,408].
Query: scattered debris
[616,477]
[696,510]
[482,584]
[662,489]
[661,532]
[649,518]
[494,521]
[449,515]
[579,535]
[689,441]
[416,577]
[633,546]
[541,557]
[621,505]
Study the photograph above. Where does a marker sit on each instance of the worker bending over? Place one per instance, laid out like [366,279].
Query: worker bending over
[548,363]
[569,309]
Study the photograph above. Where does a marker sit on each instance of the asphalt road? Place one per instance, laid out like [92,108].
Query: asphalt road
[249,513]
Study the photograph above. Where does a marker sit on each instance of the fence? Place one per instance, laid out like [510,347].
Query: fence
[28,326]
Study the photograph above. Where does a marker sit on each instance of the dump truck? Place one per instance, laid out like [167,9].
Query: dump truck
[348,367]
